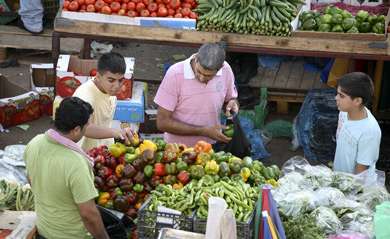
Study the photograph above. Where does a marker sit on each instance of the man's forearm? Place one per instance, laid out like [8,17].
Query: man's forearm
[97,132]
[176,127]
[95,226]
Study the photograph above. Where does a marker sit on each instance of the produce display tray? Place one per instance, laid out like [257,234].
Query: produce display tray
[150,223]
[345,36]
[244,229]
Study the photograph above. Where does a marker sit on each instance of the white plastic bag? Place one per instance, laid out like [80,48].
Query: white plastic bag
[327,220]
[228,225]
[217,208]
[296,203]
[328,196]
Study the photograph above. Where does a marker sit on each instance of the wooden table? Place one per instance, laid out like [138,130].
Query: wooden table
[295,45]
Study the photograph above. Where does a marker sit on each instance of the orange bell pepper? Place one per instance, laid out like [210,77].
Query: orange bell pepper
[202,146]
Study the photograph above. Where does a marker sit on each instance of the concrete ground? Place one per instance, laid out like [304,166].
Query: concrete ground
[149,65]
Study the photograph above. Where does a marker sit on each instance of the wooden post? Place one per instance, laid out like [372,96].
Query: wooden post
[377,85]
[3,54]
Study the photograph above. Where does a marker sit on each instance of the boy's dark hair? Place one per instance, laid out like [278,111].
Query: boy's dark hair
[112,62]
[71,113]
[357,84]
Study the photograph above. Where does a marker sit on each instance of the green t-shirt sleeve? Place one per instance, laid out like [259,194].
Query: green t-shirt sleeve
[81,182]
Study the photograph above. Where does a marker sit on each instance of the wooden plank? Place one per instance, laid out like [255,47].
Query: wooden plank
[296,75]
[269,78]
[341,36]
[308,80]
[237,42]
[37,42]
[283,75]
[282,107]
[14,30]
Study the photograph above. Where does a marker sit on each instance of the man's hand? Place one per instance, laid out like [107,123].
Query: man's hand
[124,134]
[215,133]
[231,106]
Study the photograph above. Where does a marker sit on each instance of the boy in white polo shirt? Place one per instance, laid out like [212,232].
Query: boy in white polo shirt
[101,94]
[358,133]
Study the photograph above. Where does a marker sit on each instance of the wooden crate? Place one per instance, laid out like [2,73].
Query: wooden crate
[288,83]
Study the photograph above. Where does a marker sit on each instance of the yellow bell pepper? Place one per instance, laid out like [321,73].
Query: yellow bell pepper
[103,198]
[272,182]
[117,149]
[202,158]
[245,174]
[211,167]
[177,186]
[147,144]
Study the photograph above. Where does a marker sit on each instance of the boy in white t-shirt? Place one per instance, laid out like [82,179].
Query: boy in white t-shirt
[101,94]
[358,133]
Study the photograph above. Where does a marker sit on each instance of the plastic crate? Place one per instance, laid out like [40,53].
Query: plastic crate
[150,222]
[244,229]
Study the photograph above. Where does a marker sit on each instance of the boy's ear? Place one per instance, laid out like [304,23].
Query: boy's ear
[358,101]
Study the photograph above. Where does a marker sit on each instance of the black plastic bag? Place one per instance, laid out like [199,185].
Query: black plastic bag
[239,145]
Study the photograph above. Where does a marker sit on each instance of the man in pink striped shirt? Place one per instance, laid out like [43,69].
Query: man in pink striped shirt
[192,96]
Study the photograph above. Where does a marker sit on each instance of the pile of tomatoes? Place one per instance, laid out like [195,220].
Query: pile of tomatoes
[135,8]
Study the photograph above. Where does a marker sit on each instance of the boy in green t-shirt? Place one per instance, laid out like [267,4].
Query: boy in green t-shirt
[61,177]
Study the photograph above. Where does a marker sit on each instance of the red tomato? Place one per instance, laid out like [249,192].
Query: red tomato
[99,4]
[145,13]
[152,7]
[178,15]
[189,1]
[87,2]
[161,5]
[125,91]
[115,6]
[140,6]
[122,12]
[132,13]
[73,6]
[66,86]
[108,1]
[136,1]
[125,1]
[166,1]
[153,14]
[159,1]
[91,8]
[184,4]
[124,6]
[106,10]
[186,12]
[66,4]
[175,4]
[81,2]
[147,2]
[83,7]
[178,10]
[162,12]
[171,12]
[32,110]
[93,72]
[131,6]
[193,15]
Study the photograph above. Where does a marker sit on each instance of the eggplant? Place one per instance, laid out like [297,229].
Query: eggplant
[129,171]
[139,178]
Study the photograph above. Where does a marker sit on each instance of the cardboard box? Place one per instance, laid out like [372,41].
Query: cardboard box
[42,75]
[132,111]
[176,23]
[17,105]
[79,69]
[345,36]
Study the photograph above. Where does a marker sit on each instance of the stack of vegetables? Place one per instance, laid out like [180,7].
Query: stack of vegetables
[217,174]
[16,197]
[125,175]
[265,17]
[334,19]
